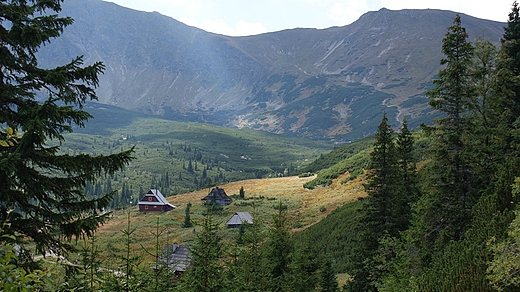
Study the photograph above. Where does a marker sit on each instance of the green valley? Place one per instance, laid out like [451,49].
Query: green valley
[177,157]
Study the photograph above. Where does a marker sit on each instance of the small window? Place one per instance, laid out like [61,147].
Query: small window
[146,207]
[150,199]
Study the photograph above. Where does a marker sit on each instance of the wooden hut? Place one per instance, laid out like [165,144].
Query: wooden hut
[176,257]
[238,219]
[154,201]
[217,196]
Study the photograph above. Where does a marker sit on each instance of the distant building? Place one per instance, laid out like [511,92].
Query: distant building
[218,197]
[154,201]
[238,219]
[176,257]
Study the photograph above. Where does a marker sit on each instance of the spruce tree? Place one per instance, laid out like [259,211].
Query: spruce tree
[451,175]
[380,187]
[378,216]
[511,45]
[305,268]
[489,135]
[279,249]
[88,278]
[206,271]
[471,171]
[328,282]
[242,193]
[187,217]
[407,189]
[43,187]
[510,63]
[249,272]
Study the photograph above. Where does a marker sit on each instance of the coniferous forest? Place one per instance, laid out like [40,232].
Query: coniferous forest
[439,218]
[448,225]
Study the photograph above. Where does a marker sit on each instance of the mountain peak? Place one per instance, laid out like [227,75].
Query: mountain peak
[323,84]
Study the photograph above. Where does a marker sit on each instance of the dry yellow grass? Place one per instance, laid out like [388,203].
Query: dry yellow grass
[305,207]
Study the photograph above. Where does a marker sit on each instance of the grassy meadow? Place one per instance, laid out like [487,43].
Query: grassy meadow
[172,156]
[305,208]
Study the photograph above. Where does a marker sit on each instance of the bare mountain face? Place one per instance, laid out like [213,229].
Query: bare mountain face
[330,84]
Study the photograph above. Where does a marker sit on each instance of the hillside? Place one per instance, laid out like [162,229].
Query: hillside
[305,208]
[178,157]
[331,84]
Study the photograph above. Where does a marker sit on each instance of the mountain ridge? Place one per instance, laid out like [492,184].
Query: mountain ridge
[299,82]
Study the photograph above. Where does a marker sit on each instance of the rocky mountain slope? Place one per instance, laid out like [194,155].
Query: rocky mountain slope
[330,84]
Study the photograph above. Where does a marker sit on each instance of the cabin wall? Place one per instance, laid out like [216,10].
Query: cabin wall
[151,208]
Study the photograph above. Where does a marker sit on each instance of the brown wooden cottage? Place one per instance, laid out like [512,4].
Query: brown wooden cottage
[218,197]
[176,257]
[238,219]
[154,201]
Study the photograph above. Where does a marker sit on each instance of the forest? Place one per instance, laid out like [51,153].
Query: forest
[450,224]
[439,218]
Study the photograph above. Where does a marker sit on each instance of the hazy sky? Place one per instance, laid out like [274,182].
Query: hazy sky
[246,17]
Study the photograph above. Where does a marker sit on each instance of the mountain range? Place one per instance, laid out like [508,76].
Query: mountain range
[325,84]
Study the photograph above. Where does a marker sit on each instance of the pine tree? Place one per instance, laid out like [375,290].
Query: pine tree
[242,193]
[43,186]
[511,45]
[328,282]
[380,186]
[379,213]
[305,268]
[126,276]
[250,271]
[206,271]
[407,190]
[90,263]
[279,247]
[489,135]
[451,174]
[187,217]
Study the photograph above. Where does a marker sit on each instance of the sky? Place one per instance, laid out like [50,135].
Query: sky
[250,17]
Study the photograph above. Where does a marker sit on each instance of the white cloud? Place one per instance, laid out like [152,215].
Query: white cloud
[245,28]
[188,21]
[346,12]
[245,17]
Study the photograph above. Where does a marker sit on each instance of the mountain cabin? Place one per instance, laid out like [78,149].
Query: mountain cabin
[176,257]
[218,197]
[154,201]
[238,219]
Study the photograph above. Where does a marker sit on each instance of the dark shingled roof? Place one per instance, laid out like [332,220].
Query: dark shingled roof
[218,196]
[176,257]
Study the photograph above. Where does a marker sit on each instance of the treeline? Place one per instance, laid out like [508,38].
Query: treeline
[180,168]
[197,172]
[451,225]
